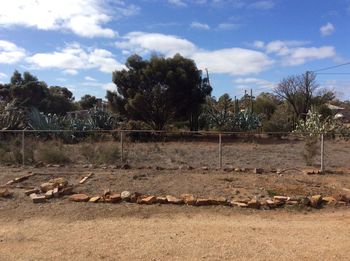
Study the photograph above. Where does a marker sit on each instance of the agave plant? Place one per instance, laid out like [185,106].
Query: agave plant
[13,117]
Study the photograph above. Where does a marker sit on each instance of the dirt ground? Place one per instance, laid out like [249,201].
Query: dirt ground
[136,232]
[65,230]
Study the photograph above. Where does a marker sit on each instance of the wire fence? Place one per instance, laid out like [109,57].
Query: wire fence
[174,149]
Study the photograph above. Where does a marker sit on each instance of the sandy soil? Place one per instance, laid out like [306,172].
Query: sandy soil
[133,232]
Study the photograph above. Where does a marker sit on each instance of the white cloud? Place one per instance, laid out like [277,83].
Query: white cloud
[143,43]
[262,5]
[227,26]
[235,61]
[3,75]
[85,18]
[178,3]
[109,86]
[197,25]
[255,81]
[74,57]
[294,52]
[327,29]
[70,72]
[302,54]
[90,79]
[10,53]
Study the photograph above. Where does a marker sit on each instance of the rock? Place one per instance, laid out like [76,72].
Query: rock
[185,167]
[56,192]
[270,203]
[79,198]
[59,182]
[125,166]
[49,194]
[115,198]
[239,204]
[188,199]
[47,186]
[125,195]
[205,168]
[37,198]
[173,200]
[258,171]
[279,171]
[292,202]
[218,201]
[5,193]
[316,201]
[329,200]
[254,203]
[203,202]
[148,200]
[311,171]
[69,190]
[31,191]
[281,198]
[162,200]
[135,196]
[229,169]
[94,199]
[237,169]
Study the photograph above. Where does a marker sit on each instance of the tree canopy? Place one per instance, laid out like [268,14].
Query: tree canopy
[159,90]
[27,91]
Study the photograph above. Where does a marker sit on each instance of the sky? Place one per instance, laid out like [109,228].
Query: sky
[244,44]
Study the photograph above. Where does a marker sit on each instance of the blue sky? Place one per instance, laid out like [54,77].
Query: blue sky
[243,43]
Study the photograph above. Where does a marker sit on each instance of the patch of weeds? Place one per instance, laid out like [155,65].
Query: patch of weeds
[106,153]
[272,192]
[52,153]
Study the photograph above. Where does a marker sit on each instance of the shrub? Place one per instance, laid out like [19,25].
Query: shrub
[52,153]
[102,153]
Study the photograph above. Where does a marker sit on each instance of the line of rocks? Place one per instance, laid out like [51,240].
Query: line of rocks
[316,201]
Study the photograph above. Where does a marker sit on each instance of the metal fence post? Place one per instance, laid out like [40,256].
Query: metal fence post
[220,151]
[121,147]
[23,163]
[322,153]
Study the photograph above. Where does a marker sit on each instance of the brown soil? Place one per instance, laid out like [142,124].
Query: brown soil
[84,231]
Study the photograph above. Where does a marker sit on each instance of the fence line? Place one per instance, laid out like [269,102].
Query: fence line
[122,134]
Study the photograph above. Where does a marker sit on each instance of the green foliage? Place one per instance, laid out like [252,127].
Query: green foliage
[220,115]
[315,125]
[159,90]
[88,102]
[281,120]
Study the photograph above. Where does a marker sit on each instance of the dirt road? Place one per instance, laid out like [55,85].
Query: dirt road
[175,233]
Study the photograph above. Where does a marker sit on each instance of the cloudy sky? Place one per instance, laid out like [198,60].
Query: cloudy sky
[243,43]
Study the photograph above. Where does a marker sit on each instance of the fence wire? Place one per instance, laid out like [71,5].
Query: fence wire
[165,149]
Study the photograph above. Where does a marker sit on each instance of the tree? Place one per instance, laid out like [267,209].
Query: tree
[88,102]
[298,92]
[27,91]
[266,104]
[219,112]
[159,90]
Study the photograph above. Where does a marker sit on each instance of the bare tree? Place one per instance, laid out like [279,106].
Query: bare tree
[298,91]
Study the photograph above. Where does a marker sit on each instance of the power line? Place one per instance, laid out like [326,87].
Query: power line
[331,67]
[335,73]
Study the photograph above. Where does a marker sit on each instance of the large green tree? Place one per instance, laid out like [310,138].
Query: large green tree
[159,90]
[27,91]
